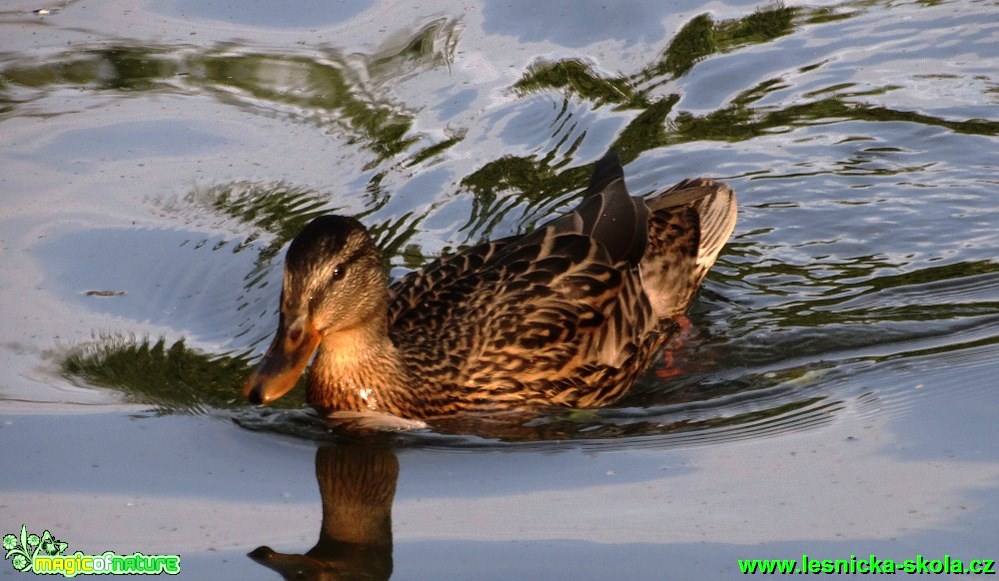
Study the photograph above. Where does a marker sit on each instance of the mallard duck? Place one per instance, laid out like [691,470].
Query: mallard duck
[568,315]
[357,486]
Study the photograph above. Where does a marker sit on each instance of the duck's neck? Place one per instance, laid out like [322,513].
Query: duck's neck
[359,369]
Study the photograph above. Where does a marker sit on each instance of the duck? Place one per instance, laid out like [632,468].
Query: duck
[569,315]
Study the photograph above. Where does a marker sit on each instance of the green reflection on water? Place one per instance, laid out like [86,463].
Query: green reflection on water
[702,37]
[171,378]
[321,91]
[657,125]
[273,214]
[280,210]
[122,68]
[532,179]
[346,95]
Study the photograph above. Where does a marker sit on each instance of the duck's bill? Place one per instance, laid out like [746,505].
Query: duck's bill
[290,566]
[282,365]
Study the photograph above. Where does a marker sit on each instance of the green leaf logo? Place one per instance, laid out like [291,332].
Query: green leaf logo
[51,546]
[17,549]
[21,550]
[9,542]
[40,554]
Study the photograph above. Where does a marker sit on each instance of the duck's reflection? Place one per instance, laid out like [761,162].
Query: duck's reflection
[357,485]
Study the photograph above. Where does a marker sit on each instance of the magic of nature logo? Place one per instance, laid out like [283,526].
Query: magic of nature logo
[43,555]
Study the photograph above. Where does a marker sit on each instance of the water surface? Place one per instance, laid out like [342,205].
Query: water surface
[834,397]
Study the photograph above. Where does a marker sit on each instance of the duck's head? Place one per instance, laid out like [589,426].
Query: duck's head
[333,282]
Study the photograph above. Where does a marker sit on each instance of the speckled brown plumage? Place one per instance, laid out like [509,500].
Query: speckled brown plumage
[569,315]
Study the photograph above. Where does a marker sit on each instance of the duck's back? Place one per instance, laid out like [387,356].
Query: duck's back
[571,313]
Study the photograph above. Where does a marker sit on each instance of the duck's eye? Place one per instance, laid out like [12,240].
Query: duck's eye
[338,272]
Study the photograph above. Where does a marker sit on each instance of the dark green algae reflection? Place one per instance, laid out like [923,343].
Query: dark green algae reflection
[332,90]
[751,371]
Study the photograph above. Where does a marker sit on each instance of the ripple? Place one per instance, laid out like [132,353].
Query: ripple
[859,143]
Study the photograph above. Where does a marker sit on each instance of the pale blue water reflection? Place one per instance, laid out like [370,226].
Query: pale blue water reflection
[836,395]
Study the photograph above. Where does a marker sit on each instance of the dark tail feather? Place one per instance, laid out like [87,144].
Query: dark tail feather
[605,171]
[611,216]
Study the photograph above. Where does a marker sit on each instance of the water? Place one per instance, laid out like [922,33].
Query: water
[834,397]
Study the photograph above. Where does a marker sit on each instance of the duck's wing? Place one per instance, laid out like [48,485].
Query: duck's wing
[556,312]
[608,216]
[688,226]
[558,315]
[416,299]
